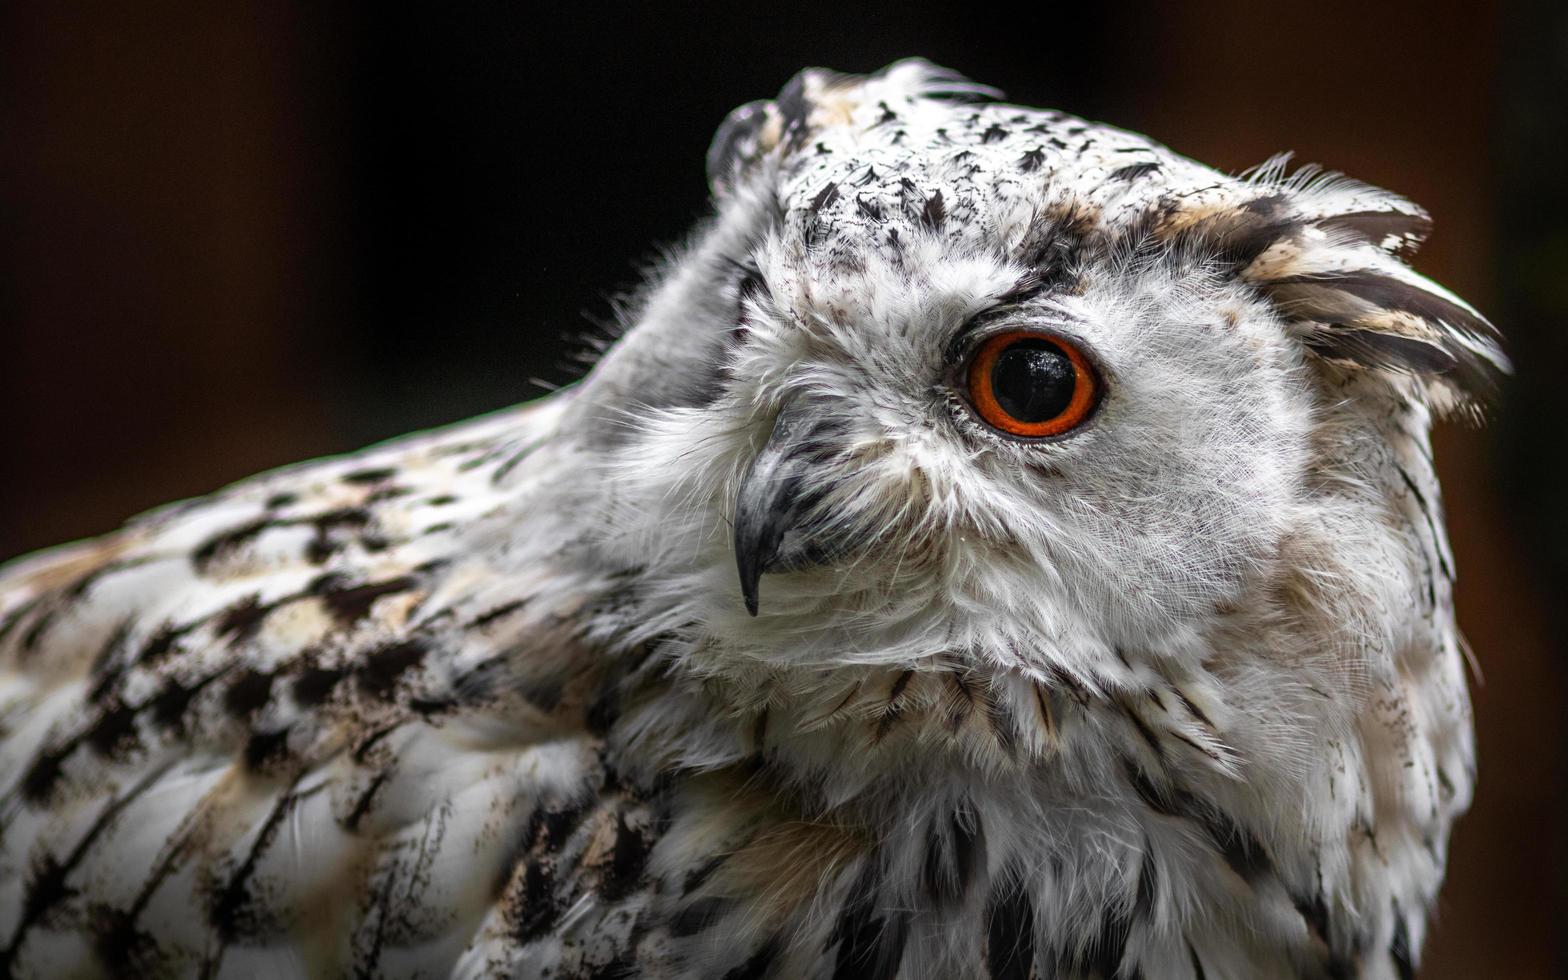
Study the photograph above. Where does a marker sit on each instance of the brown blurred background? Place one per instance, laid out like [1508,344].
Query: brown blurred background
[233,236]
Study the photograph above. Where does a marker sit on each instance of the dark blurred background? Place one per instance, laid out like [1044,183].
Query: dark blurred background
[233,236]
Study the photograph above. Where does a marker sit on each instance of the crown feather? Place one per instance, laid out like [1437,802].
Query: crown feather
[818,97]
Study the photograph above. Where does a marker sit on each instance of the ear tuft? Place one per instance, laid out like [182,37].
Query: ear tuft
[737,142]
[1357,304]
[1327,250]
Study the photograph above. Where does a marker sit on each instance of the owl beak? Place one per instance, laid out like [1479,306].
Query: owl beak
[775,528]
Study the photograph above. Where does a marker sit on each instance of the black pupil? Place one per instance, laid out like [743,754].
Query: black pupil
[1033,381]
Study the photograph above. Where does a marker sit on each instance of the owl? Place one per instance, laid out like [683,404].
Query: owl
[997,547]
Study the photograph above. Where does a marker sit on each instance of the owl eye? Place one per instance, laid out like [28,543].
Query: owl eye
[1032,385]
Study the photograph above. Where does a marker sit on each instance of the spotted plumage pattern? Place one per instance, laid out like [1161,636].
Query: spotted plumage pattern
[1178,695]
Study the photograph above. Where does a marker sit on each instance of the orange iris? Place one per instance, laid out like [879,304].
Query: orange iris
[1031,384]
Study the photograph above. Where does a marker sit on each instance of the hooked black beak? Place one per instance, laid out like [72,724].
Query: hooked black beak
[775,529]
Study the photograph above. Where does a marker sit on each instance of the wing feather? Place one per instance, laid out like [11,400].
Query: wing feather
[260,732]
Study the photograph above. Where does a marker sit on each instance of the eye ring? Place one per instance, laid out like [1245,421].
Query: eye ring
[1032,385]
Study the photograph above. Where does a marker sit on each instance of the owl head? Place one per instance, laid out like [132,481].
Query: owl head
[945,376]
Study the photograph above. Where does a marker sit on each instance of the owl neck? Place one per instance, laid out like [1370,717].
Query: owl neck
[1084,823]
